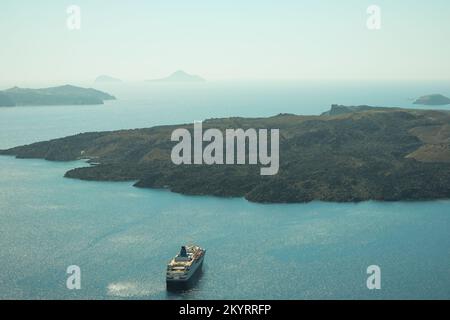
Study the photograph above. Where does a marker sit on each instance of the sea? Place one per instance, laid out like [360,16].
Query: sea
[122,237]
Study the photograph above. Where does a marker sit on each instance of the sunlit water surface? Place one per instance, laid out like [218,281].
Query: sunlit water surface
[122,237]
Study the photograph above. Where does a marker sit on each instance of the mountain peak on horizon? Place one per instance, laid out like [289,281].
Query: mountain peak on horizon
[106,78]
[180,76]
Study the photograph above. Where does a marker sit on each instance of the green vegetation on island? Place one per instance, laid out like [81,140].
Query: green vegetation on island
[363,154]
[62,95]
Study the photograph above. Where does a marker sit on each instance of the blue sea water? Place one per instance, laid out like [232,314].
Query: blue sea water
[122,237]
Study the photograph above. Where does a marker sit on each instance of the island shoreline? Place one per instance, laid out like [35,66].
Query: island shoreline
[326,158]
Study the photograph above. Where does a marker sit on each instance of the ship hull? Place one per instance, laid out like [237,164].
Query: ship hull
[189,282]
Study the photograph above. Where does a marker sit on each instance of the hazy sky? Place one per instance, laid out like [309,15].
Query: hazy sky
[136,40]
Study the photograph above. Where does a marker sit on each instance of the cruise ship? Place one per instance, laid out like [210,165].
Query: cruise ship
[184,269]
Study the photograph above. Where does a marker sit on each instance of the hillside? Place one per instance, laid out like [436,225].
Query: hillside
[6,101]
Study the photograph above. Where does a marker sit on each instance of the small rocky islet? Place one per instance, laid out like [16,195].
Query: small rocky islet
[433,100]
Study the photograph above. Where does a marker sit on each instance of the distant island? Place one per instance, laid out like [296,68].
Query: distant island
[107,79]
[433,100]
[180,76]
[368,153]
[62,95]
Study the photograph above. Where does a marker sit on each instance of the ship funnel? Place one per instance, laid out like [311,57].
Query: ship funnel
[183,252]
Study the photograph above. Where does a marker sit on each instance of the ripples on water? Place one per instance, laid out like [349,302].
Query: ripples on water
[122,237]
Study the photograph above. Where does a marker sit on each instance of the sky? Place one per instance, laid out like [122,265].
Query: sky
[284,39]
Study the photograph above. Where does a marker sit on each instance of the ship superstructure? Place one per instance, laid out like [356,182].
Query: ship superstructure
[183,270]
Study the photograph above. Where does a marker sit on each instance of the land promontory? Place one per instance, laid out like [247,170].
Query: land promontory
[349,155]
[62,95]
